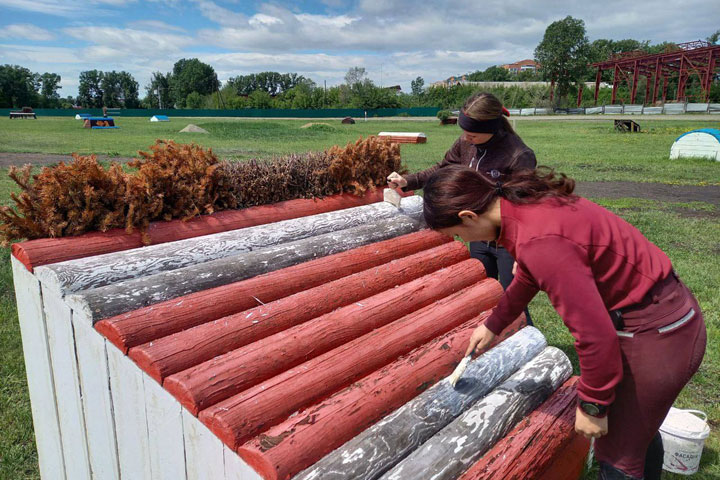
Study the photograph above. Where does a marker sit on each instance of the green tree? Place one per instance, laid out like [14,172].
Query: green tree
[713,39]
[119,89]
[194,100]
[191,75]
[18,87]
[273,83]
[90,93]
[417,86]
[563,54]
[129,87]
[157,93]
[355,75]
[495,74]
[260,99]
[49,85]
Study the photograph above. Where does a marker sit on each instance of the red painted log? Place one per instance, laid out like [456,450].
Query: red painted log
[43,251]
[570,463]
[177,352]
[533,445]
[300,441]
[165,318]
[215,380]
[246,414]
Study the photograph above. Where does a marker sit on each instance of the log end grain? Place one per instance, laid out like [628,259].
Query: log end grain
[109,330]
[182,394]
[259,462]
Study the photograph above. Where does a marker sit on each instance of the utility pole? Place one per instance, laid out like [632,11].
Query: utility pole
[325,94]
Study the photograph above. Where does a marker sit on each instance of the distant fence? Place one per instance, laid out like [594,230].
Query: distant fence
[668,109]
[245,112]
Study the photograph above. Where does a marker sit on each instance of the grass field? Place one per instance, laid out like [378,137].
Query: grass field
[587,151]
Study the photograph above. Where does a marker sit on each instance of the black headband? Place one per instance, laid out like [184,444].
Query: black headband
[479,126]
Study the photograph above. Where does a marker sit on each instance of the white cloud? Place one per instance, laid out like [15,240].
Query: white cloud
[25,31]
[220,15]
[60,8]
[129,43]
[155,25]
[262,20]
[25,54]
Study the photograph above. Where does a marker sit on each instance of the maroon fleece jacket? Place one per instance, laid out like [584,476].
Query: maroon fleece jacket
[588,261]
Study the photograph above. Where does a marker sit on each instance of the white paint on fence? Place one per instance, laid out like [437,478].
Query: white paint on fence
[128,397]
[38,367]
[97,402]
[61,340]
[165,432]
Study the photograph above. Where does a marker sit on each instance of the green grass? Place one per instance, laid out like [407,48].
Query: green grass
[688,232]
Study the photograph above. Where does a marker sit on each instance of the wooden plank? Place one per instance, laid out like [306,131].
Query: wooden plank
[215,380]
[44,251]
[128,397]
[244,415]
[166,446]
[385,444]
[68,396]
[110,300]
[203,450]
[97,402]
[303,439]
[530,448]
[38,368]
[110,268]
[236,468]
[168,355]
[460,444]
[165,318]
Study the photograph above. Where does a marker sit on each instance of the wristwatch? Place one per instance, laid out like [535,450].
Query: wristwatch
[593,409]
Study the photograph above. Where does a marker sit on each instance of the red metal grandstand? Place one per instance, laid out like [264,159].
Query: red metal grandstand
[691,58]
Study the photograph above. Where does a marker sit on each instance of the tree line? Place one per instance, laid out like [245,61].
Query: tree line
[564,54]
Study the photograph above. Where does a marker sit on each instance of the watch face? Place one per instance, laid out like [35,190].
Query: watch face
[590,408]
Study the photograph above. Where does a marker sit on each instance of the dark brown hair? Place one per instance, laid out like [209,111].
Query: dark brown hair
[453,189]
[486,106]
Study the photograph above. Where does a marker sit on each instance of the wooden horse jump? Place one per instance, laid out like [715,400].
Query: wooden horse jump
[237,349]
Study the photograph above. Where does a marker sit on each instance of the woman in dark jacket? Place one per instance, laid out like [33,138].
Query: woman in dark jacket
[489,145]
[639,332]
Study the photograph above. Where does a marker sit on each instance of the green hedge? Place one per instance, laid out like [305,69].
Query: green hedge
[248,112]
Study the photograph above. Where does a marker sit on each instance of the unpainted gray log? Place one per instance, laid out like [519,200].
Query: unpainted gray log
[99,270]
[382,446]
[110,300]
[459,445]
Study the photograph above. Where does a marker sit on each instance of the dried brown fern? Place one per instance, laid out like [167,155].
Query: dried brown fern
[182,181]
[67,199]
[365,164]
[176,181]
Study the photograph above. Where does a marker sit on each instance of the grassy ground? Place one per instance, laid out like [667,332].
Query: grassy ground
[584,150]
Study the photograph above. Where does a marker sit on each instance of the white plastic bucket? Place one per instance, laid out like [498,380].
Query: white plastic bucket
[683,434]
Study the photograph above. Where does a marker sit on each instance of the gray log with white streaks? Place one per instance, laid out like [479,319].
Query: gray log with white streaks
[456,447]
[382,446]
[122,297]
[92,272]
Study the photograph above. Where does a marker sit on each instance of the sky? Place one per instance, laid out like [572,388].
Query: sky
[394,40]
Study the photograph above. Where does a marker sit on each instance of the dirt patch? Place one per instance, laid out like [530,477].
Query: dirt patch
[19,159]
[653,191]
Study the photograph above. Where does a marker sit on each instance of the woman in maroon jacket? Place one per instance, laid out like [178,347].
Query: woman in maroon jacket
[489,145]
[639,332]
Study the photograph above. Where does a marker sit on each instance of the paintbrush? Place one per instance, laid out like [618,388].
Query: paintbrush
[459,370]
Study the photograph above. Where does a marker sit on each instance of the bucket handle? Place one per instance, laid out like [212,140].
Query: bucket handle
[697,413]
